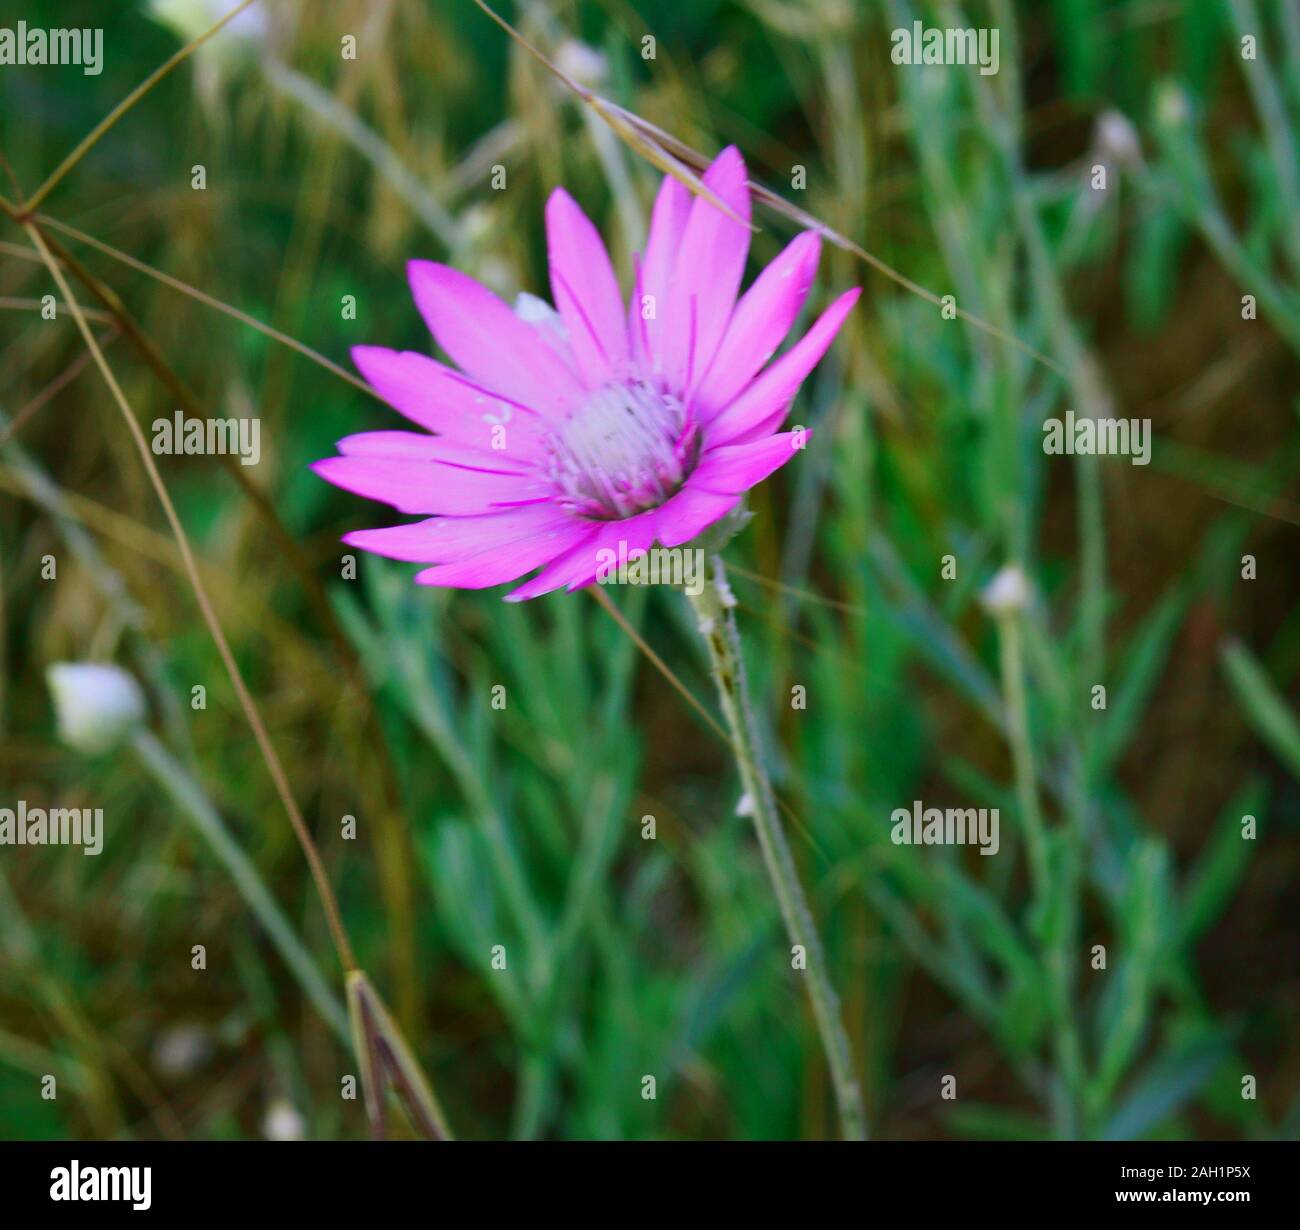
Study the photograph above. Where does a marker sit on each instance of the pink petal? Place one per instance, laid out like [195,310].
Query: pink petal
[555,573]
[578,566]
[631,534]
[586,291]
[762,406]
[496,567]
[537,314]
[738,467]
[759,324]
[489,342]
[689,512]
[706,275]
[444,401]
[440,540]
[414,446]
[672,210]
[429,486]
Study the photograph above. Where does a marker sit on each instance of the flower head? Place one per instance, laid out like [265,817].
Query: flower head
[566,431]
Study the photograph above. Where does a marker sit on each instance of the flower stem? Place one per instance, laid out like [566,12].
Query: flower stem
[714,609]
[1063,888]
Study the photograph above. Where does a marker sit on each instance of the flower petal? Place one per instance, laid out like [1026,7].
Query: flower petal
[631,534]
[688,513]
[489,342]
[762,406]
[586,291]
[738,467]
[759,324]
[540,315]
[442,400]
[496,567]
[578,566]
[442,540]
[706,275]
[672,210]
[414,446]
[429,486]
[555,573]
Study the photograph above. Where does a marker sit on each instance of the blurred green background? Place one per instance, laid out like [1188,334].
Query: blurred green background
[522,827]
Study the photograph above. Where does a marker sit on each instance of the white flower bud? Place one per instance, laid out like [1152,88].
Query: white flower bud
[182,1050]
[282,1121]
[584,64]
[98,705]
[478,224]
[187,19]
[1117,138]
[533,310]
[544,318]
[1007,593]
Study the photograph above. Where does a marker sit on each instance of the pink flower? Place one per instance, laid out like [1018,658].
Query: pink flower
[566,433]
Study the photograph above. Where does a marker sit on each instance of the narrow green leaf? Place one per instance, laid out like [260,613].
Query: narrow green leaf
[1275,723]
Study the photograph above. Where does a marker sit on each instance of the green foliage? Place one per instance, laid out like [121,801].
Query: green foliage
[519,828]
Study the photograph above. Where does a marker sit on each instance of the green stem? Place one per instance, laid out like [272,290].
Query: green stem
[714,609]
[1052,897]
[206,820]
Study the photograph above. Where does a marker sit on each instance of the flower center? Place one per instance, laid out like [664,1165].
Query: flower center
[626,449]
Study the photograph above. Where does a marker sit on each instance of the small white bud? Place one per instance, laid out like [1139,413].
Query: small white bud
[1117,138]
[188,19]
[182,1050]
[534,310]
[1007,593]
[478,223]
[98,705]
[584,64]
[545,319]
[282,1121]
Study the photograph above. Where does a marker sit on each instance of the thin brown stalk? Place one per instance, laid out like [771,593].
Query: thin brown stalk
[92,138]
[208,300]
[325,891]
[393,847]
[9,303]
[681,161]
[613,116]
[56,386]
[709,720]
[660,665]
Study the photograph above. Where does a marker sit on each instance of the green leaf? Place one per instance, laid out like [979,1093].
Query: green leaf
[1168,1084]
[1146,657]
[1264,706]
[1219,868]
[1144,917]
[984,1122]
